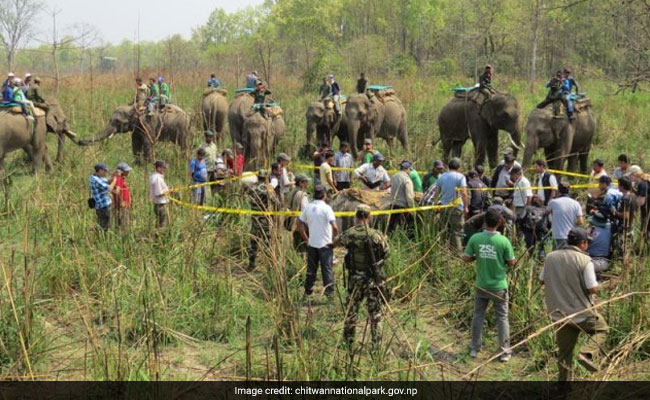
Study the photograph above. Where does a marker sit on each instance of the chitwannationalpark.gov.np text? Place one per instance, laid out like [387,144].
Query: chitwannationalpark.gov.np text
[329,391]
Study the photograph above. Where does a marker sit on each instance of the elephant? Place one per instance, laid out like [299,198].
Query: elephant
[239,108]
[463,118]
[170,124]
[260,137]
[16,132]
[322,119]
[214,108]
[375,115]
[561,139]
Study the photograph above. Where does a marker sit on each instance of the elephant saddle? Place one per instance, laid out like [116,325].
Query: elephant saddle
[472,95]
[18,110]
[274,112]
[209,91]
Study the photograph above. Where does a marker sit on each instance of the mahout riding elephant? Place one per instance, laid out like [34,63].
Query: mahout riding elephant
[239,108]
[214,107]
[369,116]
[260,136]
[463,118]
[17,132]
[170,124]
[562,140]
[322,119]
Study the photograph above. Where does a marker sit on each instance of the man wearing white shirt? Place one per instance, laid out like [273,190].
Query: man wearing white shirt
[321,226]
[158,192]
[285,182]
[373,175]
[522,193]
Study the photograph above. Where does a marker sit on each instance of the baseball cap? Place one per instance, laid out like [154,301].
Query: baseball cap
[319,189]
[124,167]
[378,158]
[283,157]
[238,145]
[577,235]
[100,166]
[405,164]
[208,133]
[367,141]
[605,179]
[438,164]
[508,150]
[160,164]
[301,178]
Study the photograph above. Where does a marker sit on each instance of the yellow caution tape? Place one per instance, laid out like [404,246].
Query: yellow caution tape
[567,173]
[305,166]
[219,182]
[286,213]
[581,186]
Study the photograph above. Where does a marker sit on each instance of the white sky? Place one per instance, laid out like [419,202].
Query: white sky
[117,20]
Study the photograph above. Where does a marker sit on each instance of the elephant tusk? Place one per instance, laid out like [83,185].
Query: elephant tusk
[71,134]
[522,147]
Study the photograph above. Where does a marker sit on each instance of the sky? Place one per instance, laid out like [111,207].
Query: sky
[117,20]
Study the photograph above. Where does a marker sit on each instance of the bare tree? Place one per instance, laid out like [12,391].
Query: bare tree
[17,19]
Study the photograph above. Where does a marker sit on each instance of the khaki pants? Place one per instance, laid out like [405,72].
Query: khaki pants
[567,337]
[122,216]
[162,216]
[450,226]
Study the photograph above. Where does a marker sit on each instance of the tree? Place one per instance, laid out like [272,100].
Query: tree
[16,21]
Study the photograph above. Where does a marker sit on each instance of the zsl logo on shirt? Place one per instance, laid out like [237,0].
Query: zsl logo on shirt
[487,251]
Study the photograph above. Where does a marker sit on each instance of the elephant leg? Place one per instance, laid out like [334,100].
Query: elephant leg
[584,162]
[493,151]
[47,161]
[446,150]
[573,163]
[457,148]
[402,135]
[137,146]
[480,148]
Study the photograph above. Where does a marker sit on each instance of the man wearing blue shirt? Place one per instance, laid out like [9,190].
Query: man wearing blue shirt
[100,192]
[213,82]
[450,186]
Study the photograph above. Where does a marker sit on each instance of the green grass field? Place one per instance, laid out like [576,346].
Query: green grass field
[78,304]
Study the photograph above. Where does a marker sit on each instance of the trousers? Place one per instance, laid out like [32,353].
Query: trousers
[500,300]
[567,337]
[322,257]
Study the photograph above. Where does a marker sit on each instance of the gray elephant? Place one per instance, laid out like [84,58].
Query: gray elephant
[239,108]
[260,137]
[16,133]
[171,124]
[463,118]
[214,107]
[322,119]
[381,115]
[561,139]
[57,123]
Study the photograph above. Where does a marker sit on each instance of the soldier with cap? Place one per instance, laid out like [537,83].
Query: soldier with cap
[570,284]
[262,198]
[367,249]
[402,196]
[373,175]
[297,200]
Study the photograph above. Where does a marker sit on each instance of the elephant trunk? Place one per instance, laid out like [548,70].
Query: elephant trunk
[353,130]
[108,132]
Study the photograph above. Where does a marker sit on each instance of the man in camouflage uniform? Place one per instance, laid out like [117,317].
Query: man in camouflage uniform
[262,198]
[365,280]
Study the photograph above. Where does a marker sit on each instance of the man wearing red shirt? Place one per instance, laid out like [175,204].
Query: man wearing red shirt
[122,197]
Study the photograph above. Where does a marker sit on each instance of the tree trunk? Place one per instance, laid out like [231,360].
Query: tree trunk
[533,41]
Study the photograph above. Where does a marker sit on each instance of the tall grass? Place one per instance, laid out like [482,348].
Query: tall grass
[177,304]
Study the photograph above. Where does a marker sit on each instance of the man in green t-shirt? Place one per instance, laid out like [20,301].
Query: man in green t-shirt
[365,156]
[493,254]
[432,176]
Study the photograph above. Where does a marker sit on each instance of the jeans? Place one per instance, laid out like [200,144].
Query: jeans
[500,299]
[322,256]
[451,225]
[567,337]
[198,195]
[568,104]
[104,217]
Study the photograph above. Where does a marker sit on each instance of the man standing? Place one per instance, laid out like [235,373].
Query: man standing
[343,159]
[158,192]
[325,172]
[477,194]
[566,214]
[451,185]
[623,167]
[362,82]
[100,191]
[546,180]
[480,170]
[319,157]
[432,176]
[211,154]
[262,198]
[297,200]
[569,284]
[285,182]
[522,193]
[493,254]
[597,171]
[367,250]
[402,196]
[642,194]
[373,175]
[502,176]
[318,228]
[368,152]
[122,197]
[199,174]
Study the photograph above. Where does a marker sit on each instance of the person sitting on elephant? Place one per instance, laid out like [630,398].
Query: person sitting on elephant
[7,82]
[569,82]
[373,175]
[165,94]
[7,94]
[141,94]
[485,83]
[556,92]
[260,102]
[325,90]
[213,82]
[362,83]
[35,96]
[154,93]
[251,80]
[19,98]
[27,80]
[336,94]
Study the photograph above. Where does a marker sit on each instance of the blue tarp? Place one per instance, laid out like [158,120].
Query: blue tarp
[379,87]
[244,90]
